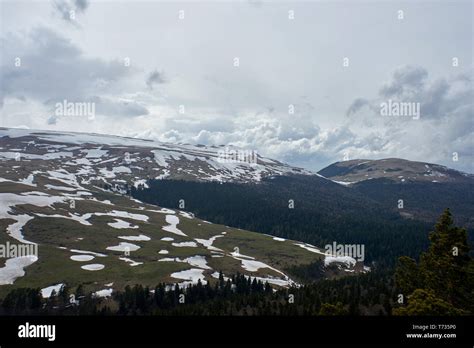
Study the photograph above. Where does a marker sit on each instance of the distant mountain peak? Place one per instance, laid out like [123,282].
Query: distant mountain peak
[395,169]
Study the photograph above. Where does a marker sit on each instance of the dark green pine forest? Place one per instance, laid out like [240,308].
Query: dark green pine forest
[323,212]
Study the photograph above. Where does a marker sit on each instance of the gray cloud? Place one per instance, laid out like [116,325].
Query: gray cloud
[53,70]
[118,108]
[81,4]
[406,79]
[356,105]
[440,98]
[52,120]
[445,126]
[435,99]
[155,78]
[64,8]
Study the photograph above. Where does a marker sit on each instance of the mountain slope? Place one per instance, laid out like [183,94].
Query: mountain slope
[113,159]
[426,189]
[52,196]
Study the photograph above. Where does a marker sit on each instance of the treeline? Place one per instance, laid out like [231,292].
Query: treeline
[29,301]
[237,295]
[323,212]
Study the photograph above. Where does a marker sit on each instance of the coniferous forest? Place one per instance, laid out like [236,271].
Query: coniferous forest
[323,212]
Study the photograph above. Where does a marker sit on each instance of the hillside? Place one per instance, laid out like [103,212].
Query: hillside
[301,207]
[426,189]
[52,195]
[114,160]
[395,169]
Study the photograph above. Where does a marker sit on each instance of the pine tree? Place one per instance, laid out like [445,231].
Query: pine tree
[444,266]
[407,275]
[330,309]
[443,282]
[424,302]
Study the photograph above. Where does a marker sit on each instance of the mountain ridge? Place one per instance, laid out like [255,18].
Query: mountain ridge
[357,170]
[146,158]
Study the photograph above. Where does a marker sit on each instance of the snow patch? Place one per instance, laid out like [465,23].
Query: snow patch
[184,244]
[310,247]
[81,258]
[192,275]
[140,237]
[87,252]
[124,246]
[47,292]
[121,224]
[208,242]
[14,268]
[349,261]
[173,220]
[130,261]
[104,293]
[93,267]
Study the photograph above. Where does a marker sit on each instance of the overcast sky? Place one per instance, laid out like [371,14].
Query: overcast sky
[182,84]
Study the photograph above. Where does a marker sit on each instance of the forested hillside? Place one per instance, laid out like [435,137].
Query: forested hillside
[322,212]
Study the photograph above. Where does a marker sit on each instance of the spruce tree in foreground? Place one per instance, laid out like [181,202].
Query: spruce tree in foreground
[442,283]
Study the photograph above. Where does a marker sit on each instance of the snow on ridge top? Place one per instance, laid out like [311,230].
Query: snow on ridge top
[113,140]
[76,137]
[176,151]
